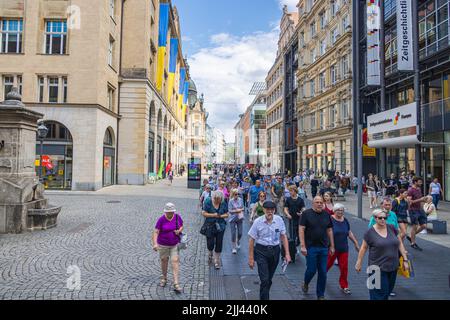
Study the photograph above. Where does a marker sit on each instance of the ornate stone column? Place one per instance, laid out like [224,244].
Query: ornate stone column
[20,190]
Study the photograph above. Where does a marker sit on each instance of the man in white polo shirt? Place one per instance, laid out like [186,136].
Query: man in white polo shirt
[267,231]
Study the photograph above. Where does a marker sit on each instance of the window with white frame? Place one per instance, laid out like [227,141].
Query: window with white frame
[345,23]
[332,116]
[334,35]
[345,65]
[53,89]
[312,28]
[41,88]
[322,119]
[19,84]
[313,121]
[323,21]
[111,95]
[11,31]
[300,124]
[344,110]
[8,84]
[55,36]
[333,74]
[64,81]
[322,81]
[323,47]
[334,8]
[111,51]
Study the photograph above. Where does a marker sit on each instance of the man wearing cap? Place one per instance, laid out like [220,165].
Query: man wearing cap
[267,231]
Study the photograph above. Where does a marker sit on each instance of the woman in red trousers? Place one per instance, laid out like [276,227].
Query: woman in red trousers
[341,232]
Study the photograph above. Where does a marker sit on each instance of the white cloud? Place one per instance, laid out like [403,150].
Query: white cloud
[226,71]
[292,4]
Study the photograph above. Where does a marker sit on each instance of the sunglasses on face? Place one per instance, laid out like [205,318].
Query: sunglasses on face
[382,218]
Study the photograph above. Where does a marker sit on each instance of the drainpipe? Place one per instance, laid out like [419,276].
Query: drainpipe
[118,94]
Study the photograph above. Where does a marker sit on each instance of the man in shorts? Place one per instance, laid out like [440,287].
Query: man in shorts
[416,214]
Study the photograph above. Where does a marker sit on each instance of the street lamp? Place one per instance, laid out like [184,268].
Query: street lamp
[42,134]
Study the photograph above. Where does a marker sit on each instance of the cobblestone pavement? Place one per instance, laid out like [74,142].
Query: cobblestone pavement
[111,245]
[107,235]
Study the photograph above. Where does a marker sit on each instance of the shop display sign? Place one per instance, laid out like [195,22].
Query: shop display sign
[46,162]
[194,172]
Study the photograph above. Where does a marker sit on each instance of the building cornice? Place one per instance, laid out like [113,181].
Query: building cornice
[73,106]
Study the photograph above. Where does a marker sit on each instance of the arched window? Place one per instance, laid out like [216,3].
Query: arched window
[54,157]
[108,139]
[109,158]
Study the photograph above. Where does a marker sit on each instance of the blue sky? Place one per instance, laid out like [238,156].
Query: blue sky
[230,44]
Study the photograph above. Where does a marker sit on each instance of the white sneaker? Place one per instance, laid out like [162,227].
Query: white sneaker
[371,207]
[238,246]
[234,251]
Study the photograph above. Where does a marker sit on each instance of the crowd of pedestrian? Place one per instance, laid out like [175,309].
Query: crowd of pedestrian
[283,227]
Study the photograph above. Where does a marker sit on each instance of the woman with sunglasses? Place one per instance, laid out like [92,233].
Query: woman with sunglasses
[258,210]
[383,242]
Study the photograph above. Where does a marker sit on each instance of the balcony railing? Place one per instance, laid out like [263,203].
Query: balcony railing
[436,116]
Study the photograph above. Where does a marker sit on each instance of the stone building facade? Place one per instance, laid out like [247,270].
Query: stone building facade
[275,82]
[325,85]
[89,67]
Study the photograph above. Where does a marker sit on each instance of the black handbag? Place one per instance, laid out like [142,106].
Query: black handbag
[204,228]
[208,229]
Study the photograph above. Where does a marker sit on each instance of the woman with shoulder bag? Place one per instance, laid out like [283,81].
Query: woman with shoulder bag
[215,210]
[166,238]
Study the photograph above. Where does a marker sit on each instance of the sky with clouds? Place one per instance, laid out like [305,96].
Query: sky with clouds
[230,45]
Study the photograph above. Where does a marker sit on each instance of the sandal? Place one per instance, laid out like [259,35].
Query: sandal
[177,288]
[163,283]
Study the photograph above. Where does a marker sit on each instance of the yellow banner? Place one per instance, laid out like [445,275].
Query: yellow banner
[171,81]
[160,69]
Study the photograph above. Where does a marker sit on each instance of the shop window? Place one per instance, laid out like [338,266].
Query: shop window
[56,167]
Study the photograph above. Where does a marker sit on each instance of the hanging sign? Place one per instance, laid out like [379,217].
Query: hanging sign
[405,36]
[373,43]
[395,128]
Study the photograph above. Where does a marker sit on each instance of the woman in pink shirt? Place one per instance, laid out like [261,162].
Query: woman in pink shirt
[166,238]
